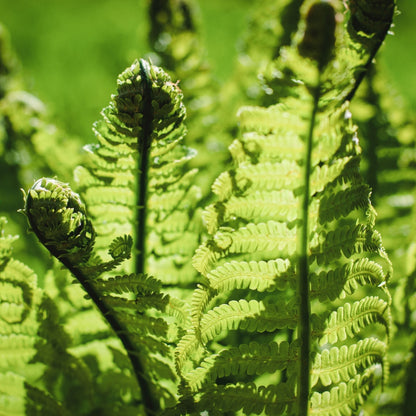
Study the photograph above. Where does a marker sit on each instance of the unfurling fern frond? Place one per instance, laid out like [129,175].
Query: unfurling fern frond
[252,279]
[134,183]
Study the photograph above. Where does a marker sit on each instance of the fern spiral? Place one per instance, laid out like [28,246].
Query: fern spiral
[58,218]
[134,184]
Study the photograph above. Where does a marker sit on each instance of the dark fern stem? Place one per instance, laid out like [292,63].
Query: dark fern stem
[58,218]
[143,167]
[318,43]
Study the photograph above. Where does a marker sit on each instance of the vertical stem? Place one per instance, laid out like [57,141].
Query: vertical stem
[149,401]
[303,272]
[143,167]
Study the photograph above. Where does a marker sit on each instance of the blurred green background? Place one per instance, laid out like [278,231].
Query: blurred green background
[72,51]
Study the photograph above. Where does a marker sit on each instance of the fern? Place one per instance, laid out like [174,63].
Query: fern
[280,305]
[148,107]
[244,230]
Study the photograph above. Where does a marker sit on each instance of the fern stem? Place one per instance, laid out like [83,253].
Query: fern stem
[303,271]
[150,403]
[144,148]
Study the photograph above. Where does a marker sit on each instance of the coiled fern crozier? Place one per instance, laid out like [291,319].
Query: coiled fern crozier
[268,295]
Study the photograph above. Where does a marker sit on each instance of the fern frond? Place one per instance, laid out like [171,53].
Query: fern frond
[252,316]
[280,205]
[259,177]
[134,284]
[339,282]
[262,210]
[260,276]
[134,180]
[143,124]
[272,399]
[270,238]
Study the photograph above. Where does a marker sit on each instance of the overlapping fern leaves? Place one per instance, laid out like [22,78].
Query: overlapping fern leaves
[134,183]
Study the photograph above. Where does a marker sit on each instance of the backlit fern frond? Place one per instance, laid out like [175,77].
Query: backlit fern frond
[346,398]
[364,25]
[336,365]
[254,226]
[58,217]
[139,162]
[134,183]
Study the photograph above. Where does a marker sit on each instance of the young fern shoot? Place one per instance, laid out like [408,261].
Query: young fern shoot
[134,182]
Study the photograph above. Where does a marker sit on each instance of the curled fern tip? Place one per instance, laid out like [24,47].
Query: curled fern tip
[58,218]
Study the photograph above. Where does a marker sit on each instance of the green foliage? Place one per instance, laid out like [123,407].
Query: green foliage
[274,293]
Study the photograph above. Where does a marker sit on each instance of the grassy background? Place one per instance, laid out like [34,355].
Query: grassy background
[72,51]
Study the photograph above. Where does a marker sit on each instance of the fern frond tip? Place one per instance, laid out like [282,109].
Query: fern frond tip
[57,216]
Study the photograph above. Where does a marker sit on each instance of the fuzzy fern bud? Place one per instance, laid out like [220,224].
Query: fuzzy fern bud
[58,218]
[319,38]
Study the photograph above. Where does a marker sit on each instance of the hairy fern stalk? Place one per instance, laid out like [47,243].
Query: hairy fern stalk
[278,306]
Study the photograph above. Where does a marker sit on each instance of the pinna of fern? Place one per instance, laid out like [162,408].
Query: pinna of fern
[250,286]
